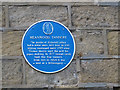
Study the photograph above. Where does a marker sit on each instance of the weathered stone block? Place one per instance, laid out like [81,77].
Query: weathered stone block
[66,77]
[118,43]
[99,71]
[119,71]
[113,43]
[0,44]
[0,16]
[27,15]
[11,72]
[0,73]
[89,42]
[94,16]
[11,43]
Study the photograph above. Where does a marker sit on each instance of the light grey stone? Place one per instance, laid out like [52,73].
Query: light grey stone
[0,73]
[88,41]
[95,71]
[27,15]
[0,16]
[95,16]
[67,76]
[0,44]
[11,72]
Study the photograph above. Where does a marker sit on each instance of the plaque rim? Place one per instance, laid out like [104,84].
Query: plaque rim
[41,70]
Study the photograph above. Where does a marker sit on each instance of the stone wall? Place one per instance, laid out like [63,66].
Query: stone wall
[95,29]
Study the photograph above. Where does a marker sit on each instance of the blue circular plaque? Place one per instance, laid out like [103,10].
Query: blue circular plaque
[48,46]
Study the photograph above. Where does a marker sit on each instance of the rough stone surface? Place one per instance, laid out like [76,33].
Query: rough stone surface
[89,42]
[99,71]
[94,16]
[27,15]
[0,44]
[11,72]
[119,71]
[0,16]
[0,73]
[66,77]
[51,1]
[11,43]
[118,43]
[113,43]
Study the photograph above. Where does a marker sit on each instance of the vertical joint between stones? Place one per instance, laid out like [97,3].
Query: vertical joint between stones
[69,16]
[6,15]
[105,42]
[24,75]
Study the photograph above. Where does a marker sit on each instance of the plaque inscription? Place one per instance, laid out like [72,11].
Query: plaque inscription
[48,46]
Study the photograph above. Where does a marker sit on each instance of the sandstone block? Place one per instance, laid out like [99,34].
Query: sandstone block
[66,77]
[99,71]
[113,43]
[95,16]
[89,42]
[11,43]
[27,15]
[11,72]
